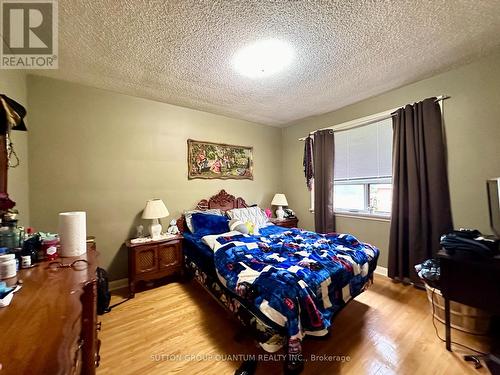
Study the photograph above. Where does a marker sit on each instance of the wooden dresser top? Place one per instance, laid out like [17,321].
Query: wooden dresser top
[40,329]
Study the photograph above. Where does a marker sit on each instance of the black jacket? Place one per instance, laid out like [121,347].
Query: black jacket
[18,108]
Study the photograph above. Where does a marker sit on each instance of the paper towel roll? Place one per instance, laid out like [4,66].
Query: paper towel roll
[73,233]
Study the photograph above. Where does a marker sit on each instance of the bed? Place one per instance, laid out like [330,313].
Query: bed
[282,284]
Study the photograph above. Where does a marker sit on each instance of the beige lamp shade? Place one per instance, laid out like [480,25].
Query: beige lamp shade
[155,209]
[279,200]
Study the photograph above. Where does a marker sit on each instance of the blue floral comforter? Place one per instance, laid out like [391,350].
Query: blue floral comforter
[298,279]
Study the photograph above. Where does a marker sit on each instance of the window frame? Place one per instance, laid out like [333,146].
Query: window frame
[367,120]
[367,211]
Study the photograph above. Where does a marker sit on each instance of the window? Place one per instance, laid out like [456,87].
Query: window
[350,197]
[363,169]
[380,197]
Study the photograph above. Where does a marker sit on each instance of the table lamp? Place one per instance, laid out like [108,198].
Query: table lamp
[154,210]
[280,201]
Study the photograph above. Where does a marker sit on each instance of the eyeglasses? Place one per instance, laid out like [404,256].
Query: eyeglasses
[77,265]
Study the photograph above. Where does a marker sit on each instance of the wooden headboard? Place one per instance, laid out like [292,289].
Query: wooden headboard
[222,200]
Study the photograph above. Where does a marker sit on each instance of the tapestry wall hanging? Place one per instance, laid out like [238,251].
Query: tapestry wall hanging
[210,160]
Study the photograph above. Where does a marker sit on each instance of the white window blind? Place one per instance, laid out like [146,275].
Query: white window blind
[364,153]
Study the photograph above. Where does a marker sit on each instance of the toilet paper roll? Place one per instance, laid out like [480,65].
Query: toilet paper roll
[73,233]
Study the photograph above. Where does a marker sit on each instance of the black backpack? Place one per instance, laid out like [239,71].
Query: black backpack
[103,294]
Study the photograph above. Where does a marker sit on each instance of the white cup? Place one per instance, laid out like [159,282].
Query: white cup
[25,261]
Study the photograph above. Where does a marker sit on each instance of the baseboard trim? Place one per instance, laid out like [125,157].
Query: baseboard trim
[118,284]
[381,271]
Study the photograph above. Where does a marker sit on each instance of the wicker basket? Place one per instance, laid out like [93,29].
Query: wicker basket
[464,318]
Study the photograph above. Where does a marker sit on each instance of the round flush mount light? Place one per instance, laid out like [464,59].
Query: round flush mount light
[263,58]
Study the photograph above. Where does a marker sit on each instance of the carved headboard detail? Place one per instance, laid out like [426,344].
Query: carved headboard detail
[222,200]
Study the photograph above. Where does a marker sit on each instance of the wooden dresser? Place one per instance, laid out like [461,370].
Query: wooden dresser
[153,260]
[51,325]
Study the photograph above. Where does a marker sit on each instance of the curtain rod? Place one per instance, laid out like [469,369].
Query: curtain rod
[363,121]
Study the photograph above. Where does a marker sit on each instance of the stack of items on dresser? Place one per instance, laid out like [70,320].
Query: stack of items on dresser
[20,248]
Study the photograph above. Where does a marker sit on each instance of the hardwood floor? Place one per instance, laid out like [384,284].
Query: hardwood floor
[386,330]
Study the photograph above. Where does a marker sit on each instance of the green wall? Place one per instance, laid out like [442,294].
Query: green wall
[107,153]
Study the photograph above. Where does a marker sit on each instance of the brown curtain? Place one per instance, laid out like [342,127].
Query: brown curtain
[324,149]
[421,210]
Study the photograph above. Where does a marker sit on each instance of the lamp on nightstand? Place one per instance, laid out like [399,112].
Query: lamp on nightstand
[280,201]
[154,210]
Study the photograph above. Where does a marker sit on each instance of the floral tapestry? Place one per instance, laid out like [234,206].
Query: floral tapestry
[217,160]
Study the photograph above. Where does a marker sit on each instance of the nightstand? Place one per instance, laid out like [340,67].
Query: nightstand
[153,260]
[287,223]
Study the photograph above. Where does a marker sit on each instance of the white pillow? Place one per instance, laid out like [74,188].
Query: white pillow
[188,214]
[254,215]
[238,225]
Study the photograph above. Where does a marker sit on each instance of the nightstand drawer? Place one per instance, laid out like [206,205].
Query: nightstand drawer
[146,259]
[169,256]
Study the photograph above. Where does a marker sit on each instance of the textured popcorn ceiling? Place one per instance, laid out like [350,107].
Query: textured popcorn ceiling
[180,51]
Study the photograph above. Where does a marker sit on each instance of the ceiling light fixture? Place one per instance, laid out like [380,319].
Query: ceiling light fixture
[263,58]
